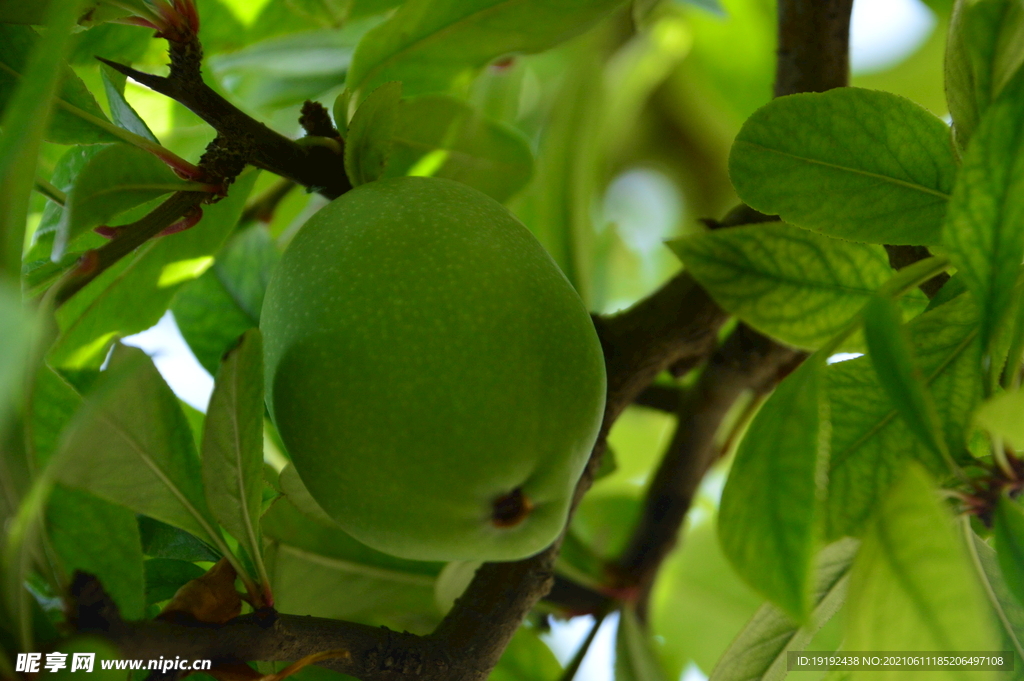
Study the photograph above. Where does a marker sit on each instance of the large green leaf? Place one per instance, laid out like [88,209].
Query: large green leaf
[912,586]
[116,178]
[66,126]
[892,356]
[760,651]
[852,163]
[790,283]
[16,323]
[428,44]
[445,137]
[1009,611]
[233,445]
[100,538]
[984,231]
[870,444]
[983,52]
[321,571]
[120,110]
[1008,529]
[634,650]
[130,444]
[769,504]
[132,295]
[369,139]
[30,77]
[215,309]
[699,603]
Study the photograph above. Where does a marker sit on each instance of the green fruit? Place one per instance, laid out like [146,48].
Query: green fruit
[435,378]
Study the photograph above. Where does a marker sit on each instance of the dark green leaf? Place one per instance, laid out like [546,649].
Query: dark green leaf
[983,53]
[369,140]
[760,650]
[21,12]
[870,445]
[893,359]
[117,42]
[135,293]
[634,650]
[428,44]
[442,136]
[16,323]
[65,172]
[116,178]
[31,73]
[852,163]
[164,576]
[100,538]
[120,110]
[130,444]
[912,586]
[787,282]
[215,309]
[984,232]
[66,126]
[160,540]
[769,505]
[233,444]
[54,403]
[1008,529]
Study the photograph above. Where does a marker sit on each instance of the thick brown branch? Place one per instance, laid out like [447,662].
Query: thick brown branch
[747,361]
[813,51]
[315,167]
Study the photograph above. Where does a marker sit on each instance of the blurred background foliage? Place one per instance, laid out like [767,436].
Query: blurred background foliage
[628,126]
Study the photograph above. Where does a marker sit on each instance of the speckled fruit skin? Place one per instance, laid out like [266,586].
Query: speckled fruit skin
[426,357]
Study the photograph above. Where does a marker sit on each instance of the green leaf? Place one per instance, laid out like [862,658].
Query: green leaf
[293,488]
[912,586]
[54,403]
[215,309]
[17,324]
[131,445]
[21,12]
[760,651]
[527,657]
[442,136]
[65,172]
[699,603]
[160,540]
[233,445]
[790,283]
[67,125]
[132,295]
[983,53]
[870,445]
[120,110]
[892,356]
[634,650]
[852,163]
[369,140]
[164,576]
[1008,529]
[1008,609]
[428,44]
[100,538]
[769,504]
[31,73]
[320,570]
[1003,415]
[116,178]
[984,231]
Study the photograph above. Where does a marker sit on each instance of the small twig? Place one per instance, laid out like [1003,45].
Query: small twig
[94,263]
[314,167]
[262,207]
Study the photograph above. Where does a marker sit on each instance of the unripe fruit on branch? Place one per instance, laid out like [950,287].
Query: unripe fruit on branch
[435,378]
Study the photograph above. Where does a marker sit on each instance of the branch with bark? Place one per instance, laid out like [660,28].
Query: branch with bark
[676,328]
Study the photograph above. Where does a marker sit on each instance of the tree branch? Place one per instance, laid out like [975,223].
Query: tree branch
[315,167]
[813,51]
